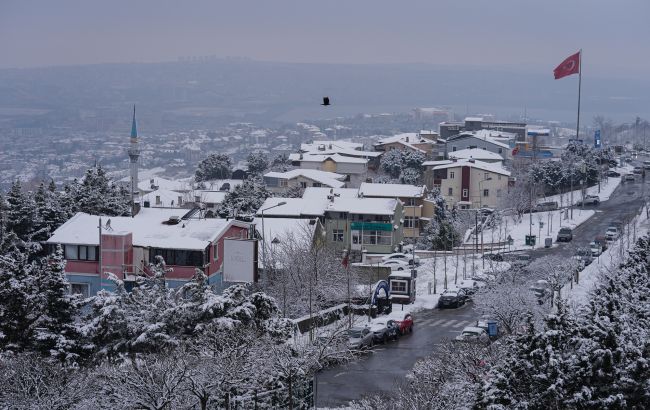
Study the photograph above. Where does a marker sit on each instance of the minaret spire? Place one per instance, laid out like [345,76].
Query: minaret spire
[134,154]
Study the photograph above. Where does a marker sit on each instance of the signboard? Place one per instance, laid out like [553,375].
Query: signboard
[370,226]
[597,143]
[240,260]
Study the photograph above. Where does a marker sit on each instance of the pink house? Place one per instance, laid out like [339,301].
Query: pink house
[124,246]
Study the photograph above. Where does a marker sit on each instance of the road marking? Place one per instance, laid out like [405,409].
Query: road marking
[449,322]
[339,374]
[461,324]
[438,322]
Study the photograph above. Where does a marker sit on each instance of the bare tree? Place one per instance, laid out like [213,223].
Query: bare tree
[510,305]
[556,270]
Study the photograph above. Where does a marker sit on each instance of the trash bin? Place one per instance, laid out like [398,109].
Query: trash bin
[493,330]
[548,242]
[530,240]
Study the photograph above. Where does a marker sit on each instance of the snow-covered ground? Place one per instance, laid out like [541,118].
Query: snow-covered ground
[607,187]
[607,262]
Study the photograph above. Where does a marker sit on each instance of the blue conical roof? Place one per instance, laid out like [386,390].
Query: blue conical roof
[134,127]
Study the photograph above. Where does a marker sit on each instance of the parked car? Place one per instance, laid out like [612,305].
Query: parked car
[637,170]
[497,257]
[404,257]
[596,249]
[541,290]
[546,206]
[583,256]
[384,330]
[472,334]
[590,200]
[646,164]
[629,177]
[612,233]
[613,174]
[406,325]
[517,258]
[452,298]
[602,241]
[565,235]
[396,264]
[471,286]
[360,338]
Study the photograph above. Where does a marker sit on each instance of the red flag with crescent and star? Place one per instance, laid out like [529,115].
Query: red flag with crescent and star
[567,67]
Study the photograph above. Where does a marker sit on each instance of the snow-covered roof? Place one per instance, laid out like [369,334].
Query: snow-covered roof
[327,178]
[211,197]
[164,184]
[367,206]
[293,207]
[314,146]
[407,139]
[437,162]
[148,228]
[279,228]
[312,193]
[474,119]
[483,135]
[315,203]
[491,167]
[308,157]
[215,184]
[391,190]
[476,153]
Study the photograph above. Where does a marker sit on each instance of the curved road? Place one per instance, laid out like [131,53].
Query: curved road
[387,365]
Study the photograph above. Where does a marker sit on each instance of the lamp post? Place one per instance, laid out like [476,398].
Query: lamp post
[263,238]
[480,206]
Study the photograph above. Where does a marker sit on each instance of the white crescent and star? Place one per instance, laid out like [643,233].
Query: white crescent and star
[570,65]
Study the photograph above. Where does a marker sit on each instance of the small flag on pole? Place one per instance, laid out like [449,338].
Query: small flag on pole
[567,67]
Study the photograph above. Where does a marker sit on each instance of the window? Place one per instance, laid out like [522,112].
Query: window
[337,235]
[451,175]
[472,147]
[284,182]
[453,148]
[500,150]
[410,202]
[215,251]
[178,257]
[465,193]
[499,177]
[303,185]
[317,184]
[355,237]
[80,252]
[82,289]
[377,238]
[409,222]
[398,286]
[486,175]
[486,192]
[450,191]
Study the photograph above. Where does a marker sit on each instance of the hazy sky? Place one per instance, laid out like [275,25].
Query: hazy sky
[532,34]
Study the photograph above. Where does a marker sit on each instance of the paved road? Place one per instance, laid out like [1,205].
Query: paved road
[387,365]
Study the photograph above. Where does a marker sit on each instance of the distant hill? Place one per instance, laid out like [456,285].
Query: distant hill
[211,93]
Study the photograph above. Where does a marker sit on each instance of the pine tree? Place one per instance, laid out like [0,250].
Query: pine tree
[245,199]
[21,212]
[257,163]
[215,166]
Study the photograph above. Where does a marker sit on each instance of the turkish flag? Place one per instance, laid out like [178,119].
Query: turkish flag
[569,66]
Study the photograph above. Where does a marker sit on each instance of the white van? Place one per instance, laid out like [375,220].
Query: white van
[646,164]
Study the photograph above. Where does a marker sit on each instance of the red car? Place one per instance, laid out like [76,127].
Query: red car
[406,325]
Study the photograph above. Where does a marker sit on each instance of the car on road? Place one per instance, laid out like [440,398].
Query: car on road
[471,286]
[590,200]
[406,325]
[404,257]
[452,298]
[546,206]
[565,235]
[583,256]
[646,164]
[629,177]
[612,233]
[360,338]
[637,170]
[384,330]
[602,241]
[472,334]
[596,249]
[497,257]
[613,174]
[396,264]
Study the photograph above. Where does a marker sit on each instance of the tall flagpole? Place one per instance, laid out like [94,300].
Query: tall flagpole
[577,122]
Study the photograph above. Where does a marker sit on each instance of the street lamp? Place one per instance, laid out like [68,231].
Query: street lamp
[263,238]
[480,206]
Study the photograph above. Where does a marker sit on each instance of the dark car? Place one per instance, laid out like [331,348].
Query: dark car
[452,298]
[565,235]
[613,174]
[497,257]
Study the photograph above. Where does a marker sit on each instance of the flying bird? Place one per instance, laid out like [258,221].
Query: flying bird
[326,101]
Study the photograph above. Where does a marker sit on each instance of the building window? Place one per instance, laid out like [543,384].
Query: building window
[499,177]
[453,148]
[303,185]
[337,235]
[377,238]
[178,257]
[450,191]
[215,251]
[486,192]
[465,193]
[500,150]
[284,182]
[398,286]
[410,202]
[82,289]
[486,175]
[317,184]
[472,147]
[409,222]
[451,175]
[80,253]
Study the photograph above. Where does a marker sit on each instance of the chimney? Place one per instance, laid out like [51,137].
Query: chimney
[180,200]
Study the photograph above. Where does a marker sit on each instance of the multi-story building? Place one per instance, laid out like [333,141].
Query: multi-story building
[417,209]
[498,143]
[450,128]
[355,169]
[424,142]
[125,246]
[471,183]
[279,181]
